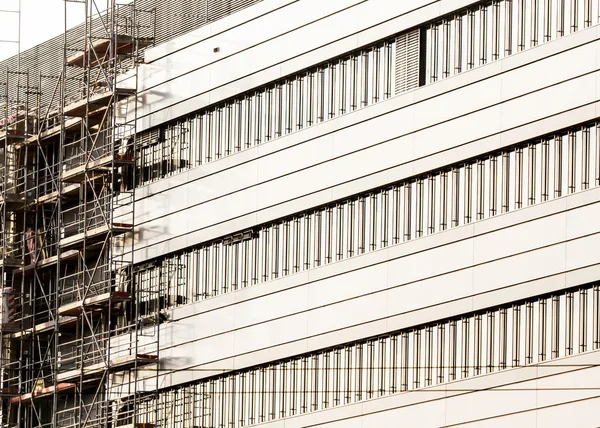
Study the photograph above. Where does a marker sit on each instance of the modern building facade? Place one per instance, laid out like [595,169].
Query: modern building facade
[347,213]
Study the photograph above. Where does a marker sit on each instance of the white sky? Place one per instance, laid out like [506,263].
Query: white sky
[40,20]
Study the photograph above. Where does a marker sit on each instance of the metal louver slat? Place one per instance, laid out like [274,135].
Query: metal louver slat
[217,9]
[407,61]
[176,17]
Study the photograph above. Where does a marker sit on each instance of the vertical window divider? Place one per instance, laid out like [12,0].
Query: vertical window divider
[458,43]
[508,27]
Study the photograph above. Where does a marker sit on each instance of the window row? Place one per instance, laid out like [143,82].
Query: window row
[522,333]
[472,37]
[340,86]
[523,175]
[494,29]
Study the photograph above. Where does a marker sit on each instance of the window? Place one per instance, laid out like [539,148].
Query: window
[514,178]
[351,82]
[469,345]
[488,31]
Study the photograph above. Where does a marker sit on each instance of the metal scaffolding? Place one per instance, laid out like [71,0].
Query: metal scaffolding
[72,320]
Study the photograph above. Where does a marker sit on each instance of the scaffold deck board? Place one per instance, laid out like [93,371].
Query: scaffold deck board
[55,130]
[124,44]
[78,173]
[13,201]
[10,262]
[45,327]
[68,190]
[47,262]
[95,235]
[9,327]
[71,126]
[101,300]
[95,102]
[12,134]
[43,393]
[117,364]
[8,392]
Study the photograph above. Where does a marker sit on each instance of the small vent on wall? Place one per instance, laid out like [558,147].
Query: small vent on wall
[407,61]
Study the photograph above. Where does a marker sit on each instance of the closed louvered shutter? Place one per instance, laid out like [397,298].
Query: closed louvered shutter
[407,61]
[148,137]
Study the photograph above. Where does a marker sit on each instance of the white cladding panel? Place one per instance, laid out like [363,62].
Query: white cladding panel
[263,43]
[517,255]
[430,127]
[386,290]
